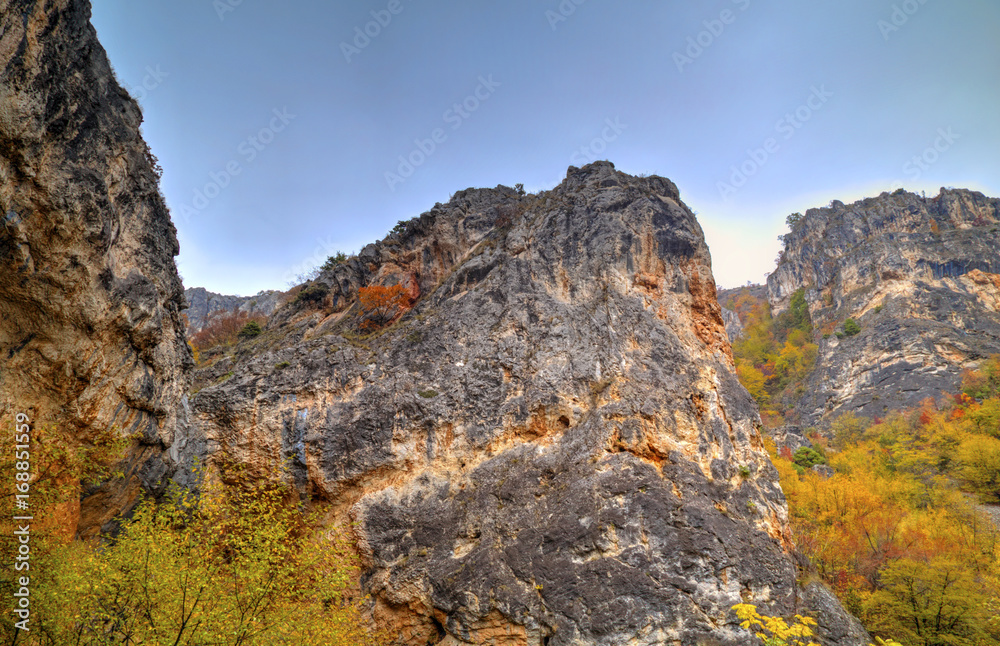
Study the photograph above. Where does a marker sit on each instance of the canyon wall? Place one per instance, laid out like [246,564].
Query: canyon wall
[90,331]
[919,275]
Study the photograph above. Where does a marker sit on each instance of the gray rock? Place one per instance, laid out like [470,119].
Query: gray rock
[551,444]
[734,327]
[922,279]
[839,628]
[789,437]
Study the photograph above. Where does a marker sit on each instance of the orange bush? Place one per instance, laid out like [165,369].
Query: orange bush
[380,304]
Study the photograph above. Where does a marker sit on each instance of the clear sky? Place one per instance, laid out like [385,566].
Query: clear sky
[280,125]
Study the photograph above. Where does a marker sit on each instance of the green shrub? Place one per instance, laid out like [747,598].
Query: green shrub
[796,317]
[312,294]
[282,365]
[806,457]
[793,220]
[338,258]
[250,330]
[851,327]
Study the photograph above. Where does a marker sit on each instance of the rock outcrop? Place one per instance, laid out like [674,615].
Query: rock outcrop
[90,330]
[734,327]
[921,277]
[202,304]
[550,447]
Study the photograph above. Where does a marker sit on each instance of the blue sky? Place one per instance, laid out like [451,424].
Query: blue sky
[280,126]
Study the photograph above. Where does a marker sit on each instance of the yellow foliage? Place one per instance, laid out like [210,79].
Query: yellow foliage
[773,355]
[978,459]
[753,380]
[775,631]
[892,533]
[233,566]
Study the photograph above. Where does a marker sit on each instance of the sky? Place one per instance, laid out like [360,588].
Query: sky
[288,131]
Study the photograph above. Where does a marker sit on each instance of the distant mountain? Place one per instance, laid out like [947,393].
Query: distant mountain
[202,303]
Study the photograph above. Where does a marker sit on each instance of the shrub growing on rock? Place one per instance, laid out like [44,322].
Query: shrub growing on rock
[250,330]
[806,457]
[338,258]
[312,294]
[380,304]
[224,328]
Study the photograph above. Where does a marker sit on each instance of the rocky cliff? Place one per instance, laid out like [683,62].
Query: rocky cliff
[921,277]
[90,332]
[548,447]
[202,304]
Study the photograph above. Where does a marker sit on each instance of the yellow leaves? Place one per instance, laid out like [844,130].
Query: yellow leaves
[891,532]
[753,380]
[978,459]
[235,566]
[775,631]
[773,356]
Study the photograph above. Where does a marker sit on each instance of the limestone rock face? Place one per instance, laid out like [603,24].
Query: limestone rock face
[920,277]
[551,447]
[90,334]
[734,327]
